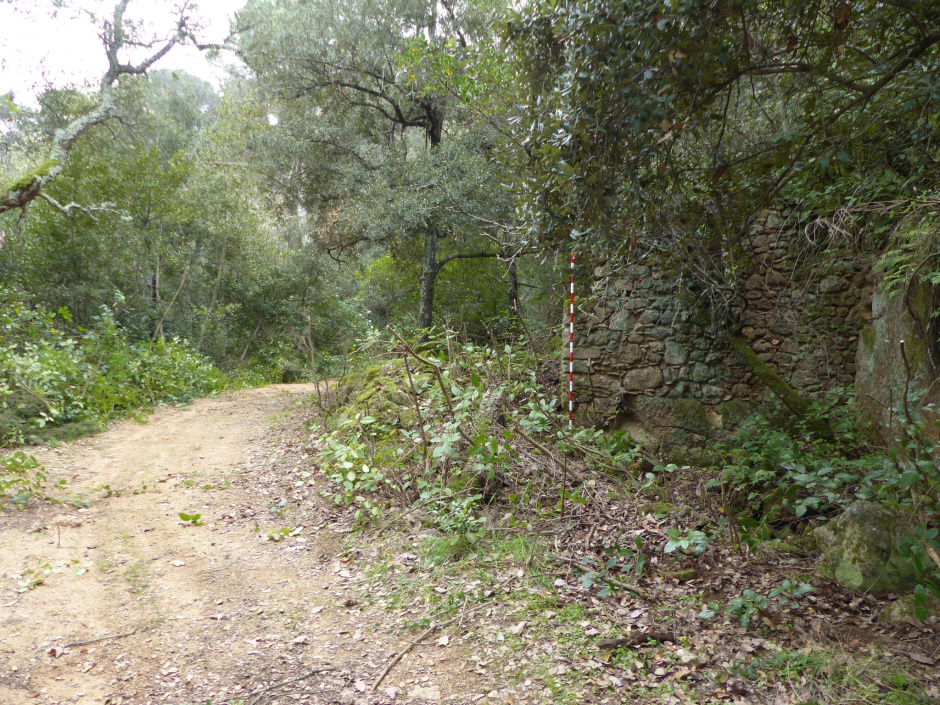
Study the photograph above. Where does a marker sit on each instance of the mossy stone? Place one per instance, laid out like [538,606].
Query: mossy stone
[904,609]
[682,576]
[666,508]
[860,549]
[734,413]
[371,373]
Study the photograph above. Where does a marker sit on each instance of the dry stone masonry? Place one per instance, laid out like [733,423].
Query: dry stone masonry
[645,352]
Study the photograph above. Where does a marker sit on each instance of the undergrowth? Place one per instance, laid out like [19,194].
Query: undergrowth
[59,381]
[448,427]
[467,448]
[783,480]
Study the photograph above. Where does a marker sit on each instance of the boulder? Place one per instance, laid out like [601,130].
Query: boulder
[860,549]
[904,609]
[881,373]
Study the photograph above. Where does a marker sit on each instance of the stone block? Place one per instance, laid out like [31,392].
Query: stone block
[642,379]
[635,304]
[630,354]
[675,353]
[831,285]
[587,354]
[661,333]
[649,316]
[622,320]
[701,372]
[860,549]
[713,392]
[775,279]
[622,284]
[713,357]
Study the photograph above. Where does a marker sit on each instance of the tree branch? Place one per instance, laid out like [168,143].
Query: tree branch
[28,187]
[67,209]
[477,255]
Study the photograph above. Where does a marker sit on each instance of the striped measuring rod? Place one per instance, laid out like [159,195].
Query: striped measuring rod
[571,353]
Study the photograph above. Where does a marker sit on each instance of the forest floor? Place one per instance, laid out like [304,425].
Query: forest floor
[270,596]
[216,612]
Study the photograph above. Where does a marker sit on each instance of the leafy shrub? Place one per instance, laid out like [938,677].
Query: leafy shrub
[21,477]
[443,438]
[796,471]
[50,375]
[690,542]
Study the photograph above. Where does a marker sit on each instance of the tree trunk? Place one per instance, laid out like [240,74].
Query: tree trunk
[429,271]
[513,287]
[215,296]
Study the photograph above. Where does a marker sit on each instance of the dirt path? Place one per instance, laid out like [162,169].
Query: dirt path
[218,611]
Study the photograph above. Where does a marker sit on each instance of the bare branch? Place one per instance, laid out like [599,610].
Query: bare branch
[68,208]
[476,255]
[28,187]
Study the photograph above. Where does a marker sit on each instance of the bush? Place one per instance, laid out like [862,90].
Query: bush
[51,376]
[21,477]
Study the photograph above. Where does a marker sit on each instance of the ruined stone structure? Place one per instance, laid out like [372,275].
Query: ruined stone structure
[644,352]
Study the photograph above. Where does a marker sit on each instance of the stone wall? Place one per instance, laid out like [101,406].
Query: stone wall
[645,354]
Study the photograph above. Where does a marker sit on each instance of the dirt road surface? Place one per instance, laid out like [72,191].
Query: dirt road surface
[127,603]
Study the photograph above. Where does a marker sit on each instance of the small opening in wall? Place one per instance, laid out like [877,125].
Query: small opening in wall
[628,419]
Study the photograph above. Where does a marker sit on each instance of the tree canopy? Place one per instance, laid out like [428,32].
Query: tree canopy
[673,125]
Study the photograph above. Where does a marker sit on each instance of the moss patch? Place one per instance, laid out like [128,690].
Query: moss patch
[25,181]
[787,394]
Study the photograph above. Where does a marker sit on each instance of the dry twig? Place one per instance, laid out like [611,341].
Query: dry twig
[433,628]
[258,693]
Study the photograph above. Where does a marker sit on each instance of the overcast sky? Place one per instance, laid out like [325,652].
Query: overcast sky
[39,48]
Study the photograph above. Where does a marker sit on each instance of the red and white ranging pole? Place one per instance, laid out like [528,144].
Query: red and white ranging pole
[571,354]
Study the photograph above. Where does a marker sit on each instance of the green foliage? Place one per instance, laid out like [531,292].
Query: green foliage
[449,448]
[620,562]
[913,253]
[749,603]
[793,473]
[676,124]
[31,578]
[746,605]
[797,471]
[694,542]
[51,375]
[791,590]
[196,252]
[191,519]
[21,478]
